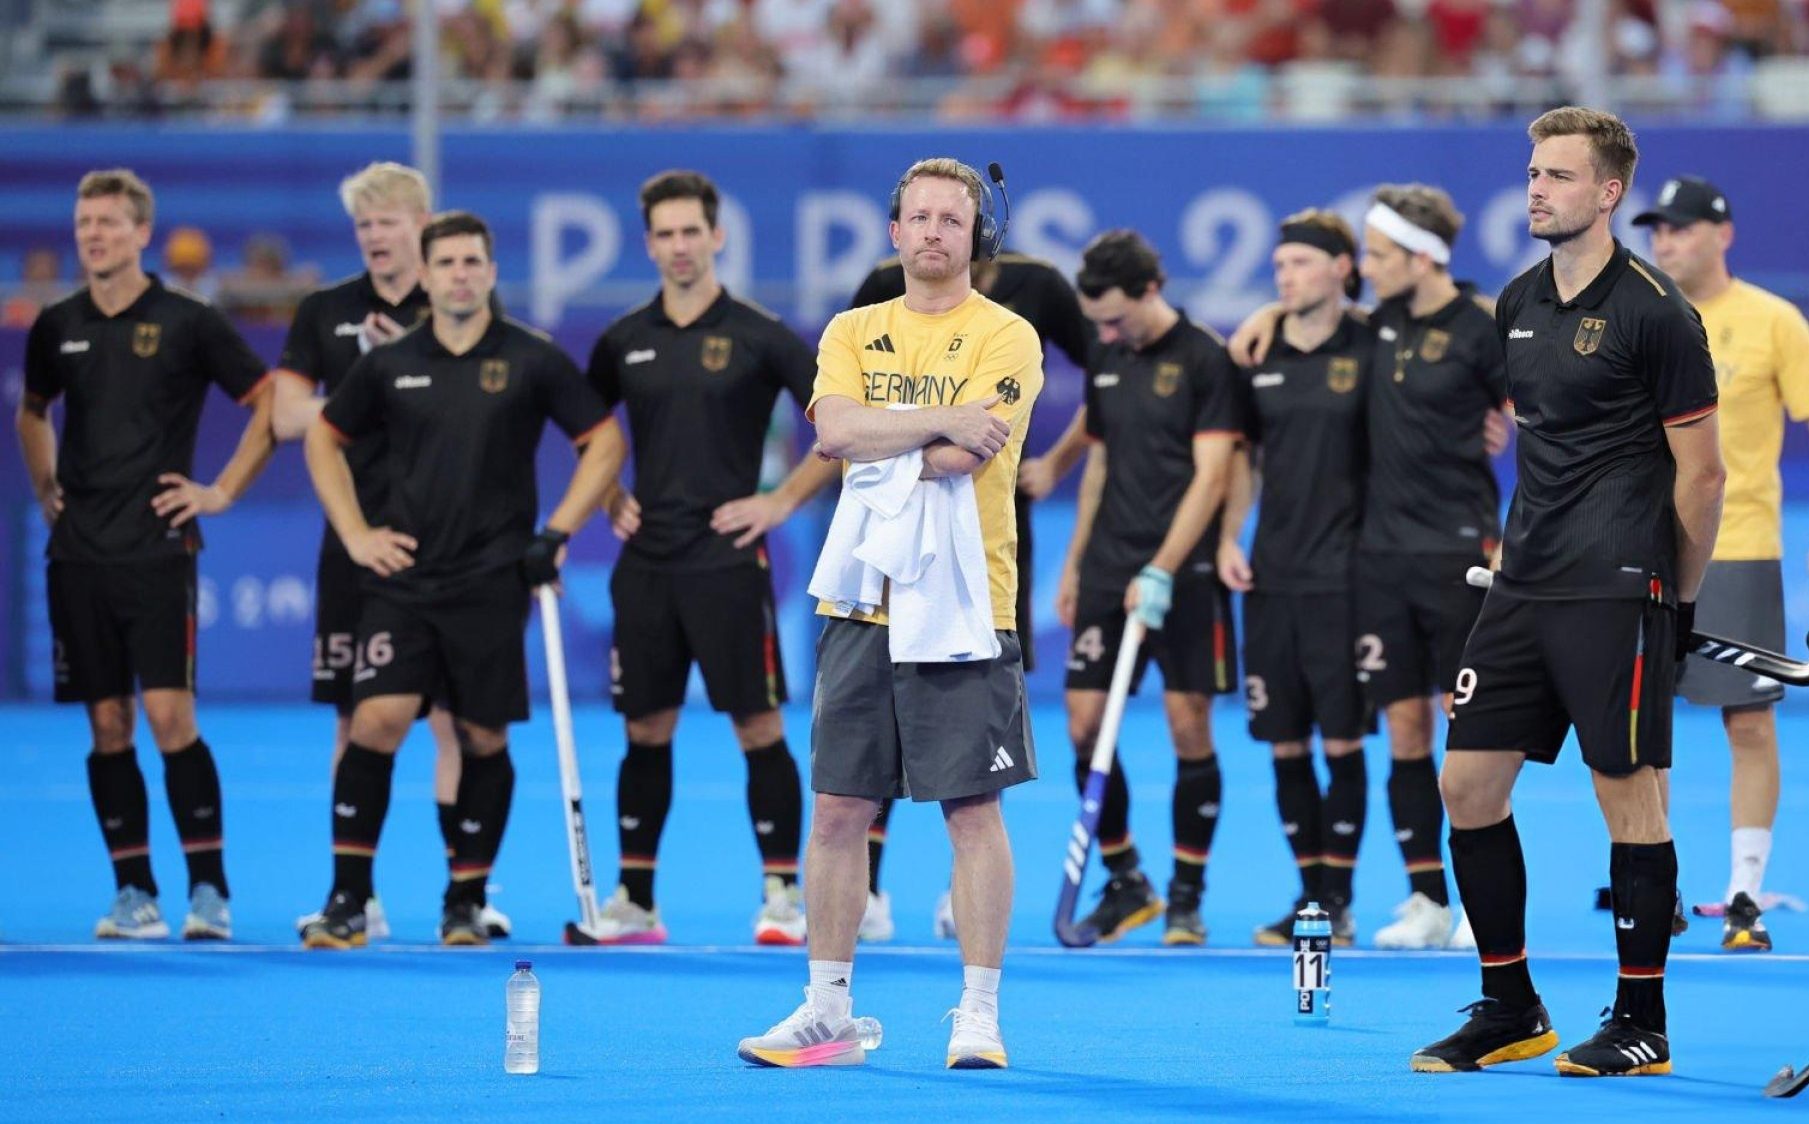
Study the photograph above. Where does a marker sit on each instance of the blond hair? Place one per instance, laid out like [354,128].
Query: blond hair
[1333,222]
[946,168]
[385,183]
[1611,147]
[120,181]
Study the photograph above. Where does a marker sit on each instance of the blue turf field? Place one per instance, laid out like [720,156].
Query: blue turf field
[258,1029]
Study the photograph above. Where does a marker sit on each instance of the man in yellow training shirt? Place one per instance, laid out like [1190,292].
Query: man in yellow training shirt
[1760,345]
[956,733]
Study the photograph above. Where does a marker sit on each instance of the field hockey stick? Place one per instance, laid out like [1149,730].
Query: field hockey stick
[583,931]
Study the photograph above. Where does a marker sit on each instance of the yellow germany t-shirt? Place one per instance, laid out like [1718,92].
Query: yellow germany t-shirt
[1760,345]
[885,353]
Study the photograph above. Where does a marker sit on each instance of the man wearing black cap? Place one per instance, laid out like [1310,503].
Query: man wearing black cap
[1760,345]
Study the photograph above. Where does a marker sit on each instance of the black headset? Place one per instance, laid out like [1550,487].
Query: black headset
[989,232]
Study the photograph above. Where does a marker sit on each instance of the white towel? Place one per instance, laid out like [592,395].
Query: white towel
[924,536]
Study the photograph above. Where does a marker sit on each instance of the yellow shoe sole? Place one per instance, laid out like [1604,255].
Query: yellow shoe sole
[329,941]
[977,1061]
[1571,1069]
[1513,1052]
[1182,937]
[1143,916]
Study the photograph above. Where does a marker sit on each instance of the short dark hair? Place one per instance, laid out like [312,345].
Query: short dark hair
[450,224]
[1119,259]
[679,185]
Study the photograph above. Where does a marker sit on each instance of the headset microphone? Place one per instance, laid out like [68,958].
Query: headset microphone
[997,175]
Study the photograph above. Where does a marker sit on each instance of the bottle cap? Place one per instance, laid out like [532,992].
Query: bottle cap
[523,965]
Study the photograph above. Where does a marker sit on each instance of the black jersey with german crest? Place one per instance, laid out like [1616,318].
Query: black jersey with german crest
[460,436]
[700,400]
[1304,413]
[1147,407]
[321,347]
[1432,382]
[1028,286]
[135,384]
[1594,381]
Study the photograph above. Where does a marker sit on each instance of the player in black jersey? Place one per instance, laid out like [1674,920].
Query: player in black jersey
[1162,414]
[388,205]
[134,360]
[1039,293]
[1304,418]
[700,373]
[1609,532]
[461,401]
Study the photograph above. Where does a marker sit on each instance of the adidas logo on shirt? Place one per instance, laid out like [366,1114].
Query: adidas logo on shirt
[1001,761]
[883,343]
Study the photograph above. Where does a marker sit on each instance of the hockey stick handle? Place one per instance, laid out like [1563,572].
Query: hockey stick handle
[570,787]
[1106,744]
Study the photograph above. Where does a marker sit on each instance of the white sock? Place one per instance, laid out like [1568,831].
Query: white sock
[980,990]
[1751,851]
[830,986]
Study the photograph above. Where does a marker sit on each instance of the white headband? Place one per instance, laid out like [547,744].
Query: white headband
[1416,238]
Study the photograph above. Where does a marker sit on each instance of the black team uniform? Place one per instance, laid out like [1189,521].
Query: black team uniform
[121,580]
[1306,416]
[1147,407]
[1430,511]
[1039,293]
[460,434]
[1580,630]
[700,400]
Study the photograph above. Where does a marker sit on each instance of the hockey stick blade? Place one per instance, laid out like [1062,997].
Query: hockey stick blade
[1788,1083]
[1747,657]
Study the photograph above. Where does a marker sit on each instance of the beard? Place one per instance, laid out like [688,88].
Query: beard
[924,268]
[1562,228]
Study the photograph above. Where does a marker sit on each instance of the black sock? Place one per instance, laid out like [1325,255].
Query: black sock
[775,802]
[1116,847]
[1345,807]
[360,803]
[643,797]
[1644,878]
[1419,817]
[1198,787]
[192,784]
[876,844]
[1491,880]
[486,788]
[449,826]
[1297,797]
[117,788]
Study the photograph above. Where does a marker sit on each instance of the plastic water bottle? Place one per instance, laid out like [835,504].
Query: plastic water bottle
[870,1031]
[521,1049]
[1312,966]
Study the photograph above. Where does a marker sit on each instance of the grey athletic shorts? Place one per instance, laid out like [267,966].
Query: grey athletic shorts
[929,731]
[1741,601]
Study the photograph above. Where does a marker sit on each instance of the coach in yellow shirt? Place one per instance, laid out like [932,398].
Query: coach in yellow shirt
[956,733]
[1760,345]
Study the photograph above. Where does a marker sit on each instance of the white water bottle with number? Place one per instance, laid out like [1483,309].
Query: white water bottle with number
[521,1049]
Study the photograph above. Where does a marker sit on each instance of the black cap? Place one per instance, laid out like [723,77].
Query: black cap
[1684,200]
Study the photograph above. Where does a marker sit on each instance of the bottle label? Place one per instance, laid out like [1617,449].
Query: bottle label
[1311,967]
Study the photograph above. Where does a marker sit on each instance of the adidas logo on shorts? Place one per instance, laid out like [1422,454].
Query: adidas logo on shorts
[1001,761]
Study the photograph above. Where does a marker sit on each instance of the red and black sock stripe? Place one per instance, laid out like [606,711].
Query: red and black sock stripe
[117,788]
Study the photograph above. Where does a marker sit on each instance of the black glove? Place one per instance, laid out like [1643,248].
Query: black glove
[540,562]
[1686,624]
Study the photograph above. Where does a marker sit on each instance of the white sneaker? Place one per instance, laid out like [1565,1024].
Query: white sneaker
[376,925]
[620,921]
[945,916]
[495,922]
[807,1037]
[876,922]
[134,917]
[975,1041]
[781,917]
[1463,937]
[1420,923]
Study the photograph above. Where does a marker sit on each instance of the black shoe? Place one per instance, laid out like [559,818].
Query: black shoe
[1680,923]
[340,924]
[1620,1049]
[1742,931]
[461,923]
[1280,933]
[1127,901]
[1496,1033]
[1184,924]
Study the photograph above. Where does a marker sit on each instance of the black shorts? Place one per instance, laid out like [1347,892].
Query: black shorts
[1533,669]
[723,619]
[1026,567]
[114,622]
[464,649]
[1195,648]
[929,731]
[1300,669]
[337,597]
[1414,612]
